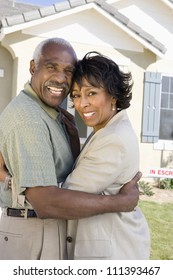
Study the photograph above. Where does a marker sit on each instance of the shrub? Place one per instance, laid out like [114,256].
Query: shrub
[166,183]
[145,188]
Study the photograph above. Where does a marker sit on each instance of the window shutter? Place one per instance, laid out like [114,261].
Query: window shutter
[151,107]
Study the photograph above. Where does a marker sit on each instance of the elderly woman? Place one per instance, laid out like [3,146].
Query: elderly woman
[109,158]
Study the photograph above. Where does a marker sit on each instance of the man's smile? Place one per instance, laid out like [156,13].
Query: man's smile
[56,90]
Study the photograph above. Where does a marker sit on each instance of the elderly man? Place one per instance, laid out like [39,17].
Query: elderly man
[37,150]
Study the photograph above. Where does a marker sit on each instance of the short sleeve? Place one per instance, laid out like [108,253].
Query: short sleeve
[29,155]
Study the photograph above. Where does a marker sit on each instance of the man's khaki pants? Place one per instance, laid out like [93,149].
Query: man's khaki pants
[32,238]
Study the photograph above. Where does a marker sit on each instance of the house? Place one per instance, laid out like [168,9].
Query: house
[138,35]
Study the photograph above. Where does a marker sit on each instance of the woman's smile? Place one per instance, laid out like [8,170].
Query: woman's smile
[93,104]
[88,115]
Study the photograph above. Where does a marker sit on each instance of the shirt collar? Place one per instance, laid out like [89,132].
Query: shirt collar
[49,110]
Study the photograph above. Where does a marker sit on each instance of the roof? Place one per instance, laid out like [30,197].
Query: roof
[169,3]
[11,8]
[30,13]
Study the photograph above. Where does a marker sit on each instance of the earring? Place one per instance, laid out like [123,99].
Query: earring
[113,107]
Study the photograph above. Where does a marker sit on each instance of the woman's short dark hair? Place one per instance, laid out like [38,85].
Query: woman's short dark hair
[101,71]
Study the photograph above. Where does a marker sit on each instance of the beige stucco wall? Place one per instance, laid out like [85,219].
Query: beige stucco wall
[139,63]
[136,62]
[84,36]
[21,47]
[6,77]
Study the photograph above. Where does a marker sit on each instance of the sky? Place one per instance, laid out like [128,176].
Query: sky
[38,2]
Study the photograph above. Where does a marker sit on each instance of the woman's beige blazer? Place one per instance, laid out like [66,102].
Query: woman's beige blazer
[109,159]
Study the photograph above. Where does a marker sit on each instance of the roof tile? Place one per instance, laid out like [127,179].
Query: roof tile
[75,3]
[4,22]
[62,5]
[159,46]
[31,15]
[145,35]
[121,17]
[16,19]
[134,27]
[47,11]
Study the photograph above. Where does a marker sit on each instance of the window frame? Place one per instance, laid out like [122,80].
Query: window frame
[152,111]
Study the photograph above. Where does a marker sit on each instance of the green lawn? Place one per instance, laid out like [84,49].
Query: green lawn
[160,220]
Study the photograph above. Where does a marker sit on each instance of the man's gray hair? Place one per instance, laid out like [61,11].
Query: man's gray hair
[39,49]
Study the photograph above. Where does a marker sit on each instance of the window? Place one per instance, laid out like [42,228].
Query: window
[157,108]
[166,109]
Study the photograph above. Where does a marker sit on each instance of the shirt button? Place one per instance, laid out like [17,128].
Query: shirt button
[6,238]
[69,239]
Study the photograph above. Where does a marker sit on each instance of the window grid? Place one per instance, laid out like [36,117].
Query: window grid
[166,109]
[167,93]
